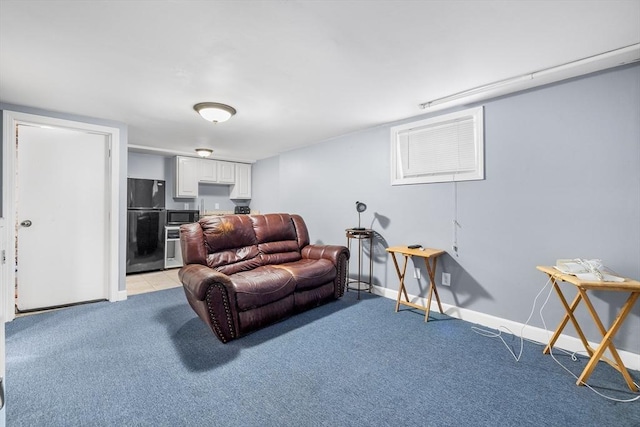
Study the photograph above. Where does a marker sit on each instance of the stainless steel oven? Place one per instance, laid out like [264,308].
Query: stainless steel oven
[172,249]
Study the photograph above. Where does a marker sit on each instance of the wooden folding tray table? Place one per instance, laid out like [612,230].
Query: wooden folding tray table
[631,286]
[427,254]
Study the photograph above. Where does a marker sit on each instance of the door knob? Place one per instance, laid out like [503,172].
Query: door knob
[26,223]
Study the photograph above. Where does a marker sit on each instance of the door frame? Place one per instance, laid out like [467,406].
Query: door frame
[3,268]
[10,121]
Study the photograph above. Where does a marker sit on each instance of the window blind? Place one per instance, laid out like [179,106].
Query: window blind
[440,149]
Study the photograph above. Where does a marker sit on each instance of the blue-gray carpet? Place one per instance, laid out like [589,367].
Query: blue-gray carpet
[149,361]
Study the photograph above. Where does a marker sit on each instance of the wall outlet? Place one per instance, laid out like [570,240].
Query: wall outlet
[446,279]
[217,206]
[416,273]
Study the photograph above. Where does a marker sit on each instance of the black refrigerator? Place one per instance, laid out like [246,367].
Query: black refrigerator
[146,218]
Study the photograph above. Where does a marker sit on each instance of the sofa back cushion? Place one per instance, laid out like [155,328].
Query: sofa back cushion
[301,231]
[230,243]
[277,238]
[227,232]
[234,243]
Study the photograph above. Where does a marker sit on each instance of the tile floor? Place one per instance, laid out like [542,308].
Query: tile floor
[139,283]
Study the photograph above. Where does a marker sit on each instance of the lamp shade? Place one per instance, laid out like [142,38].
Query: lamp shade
[360,207]
[214,112]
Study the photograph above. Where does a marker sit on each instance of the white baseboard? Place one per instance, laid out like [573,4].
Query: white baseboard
[565,342]
[120,296]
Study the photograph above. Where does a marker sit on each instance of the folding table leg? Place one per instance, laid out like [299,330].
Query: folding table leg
[431,272]
[401,275]
[607,341]
[569,315]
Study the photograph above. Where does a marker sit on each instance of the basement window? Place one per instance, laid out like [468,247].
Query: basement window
[440,149]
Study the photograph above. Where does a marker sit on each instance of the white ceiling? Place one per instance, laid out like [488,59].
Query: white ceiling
[298,72]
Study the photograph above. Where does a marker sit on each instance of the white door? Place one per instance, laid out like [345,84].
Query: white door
[62,215]
[2,317]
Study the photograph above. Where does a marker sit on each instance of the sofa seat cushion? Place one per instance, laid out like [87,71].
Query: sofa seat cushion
[310,273]
[262,286]
[276,253]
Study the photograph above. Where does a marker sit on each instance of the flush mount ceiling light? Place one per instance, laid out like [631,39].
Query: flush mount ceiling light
[204,152]
[214,112]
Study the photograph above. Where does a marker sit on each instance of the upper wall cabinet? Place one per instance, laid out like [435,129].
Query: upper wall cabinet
[216,172]
[191,171]
[241,190]
[186,182]
[207,170]
[226,172]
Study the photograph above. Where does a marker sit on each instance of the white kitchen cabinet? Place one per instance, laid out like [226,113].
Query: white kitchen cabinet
[216,172]
[226,172]
[191,171]
[186,184]
[207,171]
[241,190]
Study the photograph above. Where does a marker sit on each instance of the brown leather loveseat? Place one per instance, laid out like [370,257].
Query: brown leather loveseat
[243,272]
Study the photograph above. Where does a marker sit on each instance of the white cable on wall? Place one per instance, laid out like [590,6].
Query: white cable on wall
[456,224]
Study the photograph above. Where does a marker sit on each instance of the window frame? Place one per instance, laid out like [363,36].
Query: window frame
[476,114]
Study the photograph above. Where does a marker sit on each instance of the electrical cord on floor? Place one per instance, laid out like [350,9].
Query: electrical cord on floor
[633,399]
[491,334]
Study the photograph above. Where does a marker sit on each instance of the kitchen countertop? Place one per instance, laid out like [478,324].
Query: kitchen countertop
[220,213]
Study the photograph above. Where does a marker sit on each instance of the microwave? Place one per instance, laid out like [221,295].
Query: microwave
[182,217]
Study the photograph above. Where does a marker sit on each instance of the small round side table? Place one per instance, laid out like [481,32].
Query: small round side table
[360,234]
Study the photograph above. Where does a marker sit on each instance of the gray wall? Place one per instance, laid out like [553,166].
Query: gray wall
[562,181]
[122,208]
[151,166]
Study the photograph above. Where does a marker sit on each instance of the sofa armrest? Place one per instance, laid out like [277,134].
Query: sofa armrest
[198,278]
[330,252]
[212,295]
[338,255]
[192,244]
